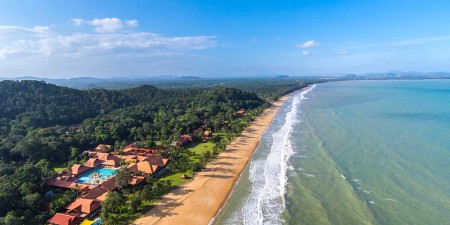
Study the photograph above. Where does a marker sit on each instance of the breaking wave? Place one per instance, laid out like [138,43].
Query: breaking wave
[266,202]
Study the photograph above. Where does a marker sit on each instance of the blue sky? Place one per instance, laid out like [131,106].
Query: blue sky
[221,38]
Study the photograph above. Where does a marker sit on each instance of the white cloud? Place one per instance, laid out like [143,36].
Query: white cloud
[5,51]
[107,25]
[41,41]
[17,30]
[306,53]
[343,52]
[308,44]
[41,29]
[132,23]
[78,22]
[117,44]
[105,50]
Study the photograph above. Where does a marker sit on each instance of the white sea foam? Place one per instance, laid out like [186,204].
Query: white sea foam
[269,176]
[309,175]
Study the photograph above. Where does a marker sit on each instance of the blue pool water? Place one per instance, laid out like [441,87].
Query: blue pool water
[88,178]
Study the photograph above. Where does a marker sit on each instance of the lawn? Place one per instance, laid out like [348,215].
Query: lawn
[175,178]
[198,148]
[57,167]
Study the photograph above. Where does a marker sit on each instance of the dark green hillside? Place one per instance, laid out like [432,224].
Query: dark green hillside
[38,104]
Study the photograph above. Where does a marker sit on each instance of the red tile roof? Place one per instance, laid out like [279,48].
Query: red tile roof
[95,192]
[109,185]
[113,163]
[156,160]
[185,139]
[151,164]
[103,156]
[128,158]
[64,219]
[100,147]
[60,183]
[241,112]
[142,158]
[83,205]
[78,169]
[136,180]
[133,149]
[93,162]
[133,168]
[207,133]
[146,167]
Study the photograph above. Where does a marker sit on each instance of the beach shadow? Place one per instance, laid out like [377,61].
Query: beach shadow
[220,170]
[182,191]
[235,149]
[222,163]
[250,130]
[228,157]
[218,176]
[162,210]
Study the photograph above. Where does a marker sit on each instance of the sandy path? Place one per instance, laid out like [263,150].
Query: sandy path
[198,201]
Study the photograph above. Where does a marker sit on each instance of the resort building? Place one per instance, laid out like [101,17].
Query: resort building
[241,113]
[65,219]
[95,178]
[133,150]
[207,134]
[93,162]
[78,169]
[99,193]
[185,139]
[102,148]
[84,207]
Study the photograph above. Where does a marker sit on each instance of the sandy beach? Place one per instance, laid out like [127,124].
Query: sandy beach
[198,201]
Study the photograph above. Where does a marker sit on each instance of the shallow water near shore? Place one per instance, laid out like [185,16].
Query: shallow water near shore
[356,152]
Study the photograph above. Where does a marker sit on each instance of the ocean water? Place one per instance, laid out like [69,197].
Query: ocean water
[354,152]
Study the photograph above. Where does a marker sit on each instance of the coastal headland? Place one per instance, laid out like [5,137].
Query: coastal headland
[198,201]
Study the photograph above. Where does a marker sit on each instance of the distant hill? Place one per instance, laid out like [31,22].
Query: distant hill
[282,77]
[191,78]
[108,83]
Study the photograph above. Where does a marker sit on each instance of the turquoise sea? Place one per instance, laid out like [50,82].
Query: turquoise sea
[353,152]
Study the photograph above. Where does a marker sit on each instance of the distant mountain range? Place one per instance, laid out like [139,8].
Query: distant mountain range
[130,81]
[400,75]
[114,82]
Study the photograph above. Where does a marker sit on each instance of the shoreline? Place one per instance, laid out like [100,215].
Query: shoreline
[199,201]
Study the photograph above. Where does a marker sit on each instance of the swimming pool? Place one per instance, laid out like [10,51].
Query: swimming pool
[95,176]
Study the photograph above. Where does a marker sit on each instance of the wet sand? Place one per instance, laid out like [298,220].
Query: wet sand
[198,201]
